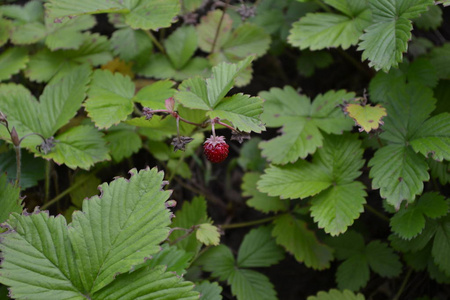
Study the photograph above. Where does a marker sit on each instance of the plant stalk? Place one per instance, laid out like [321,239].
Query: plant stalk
[247,224]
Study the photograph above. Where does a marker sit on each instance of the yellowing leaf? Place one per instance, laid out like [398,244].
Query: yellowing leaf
[208,234]
[118,65]
[367,117]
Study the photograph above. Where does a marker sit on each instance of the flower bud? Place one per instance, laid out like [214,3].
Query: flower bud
[15,137]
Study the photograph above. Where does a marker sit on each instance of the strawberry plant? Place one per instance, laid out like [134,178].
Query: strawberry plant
[294,149]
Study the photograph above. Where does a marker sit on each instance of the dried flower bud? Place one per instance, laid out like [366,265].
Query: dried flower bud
[179,143]
[170,104]
[3,118]
[240,136]
[148,113]
[46,145]
[15,137]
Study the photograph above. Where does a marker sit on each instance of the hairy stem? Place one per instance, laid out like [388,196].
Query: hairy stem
[18,164]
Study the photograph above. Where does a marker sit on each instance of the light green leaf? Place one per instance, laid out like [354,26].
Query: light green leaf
[247,39]
[301,121]
[335,208]
[353,273]
[28,33]
[153,14]
[207,30]
[298,180]
[191,214]
[61,100]
[79,147]
[382,259]
[131,45]
[172,258]
[123,141]
[337,295]
[258,249]
[44,65]
[323,30]
[32,11]
[294,236]
[434,137]
[251,285]
[156,283]
[242,111]
[209,290]
[5,30]
[67,34]
[399,173]
[12,61]
[219,260]
[181,45]
[222,79]
[66,8]
[260,201]
[155,94]
[109,98]
[387,38]
[208,234]
[9,198]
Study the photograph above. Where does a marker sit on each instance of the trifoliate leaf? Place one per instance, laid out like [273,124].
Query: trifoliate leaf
[294,236]
[109,98]
[208,234]
[302,122]
[181,45]
[219,260]
[123,141]
[113,233]
[353,273]
[251,285]
[409,221]
[9,198]
[367,117]
[191,214]
[79,147]
[67,34]
[12,61]
[260,201]
[337,295]
[382,259]
[44,65]
[131,45]
[324,30]
[209,290]
[258,249]
[392,26]
[141,283]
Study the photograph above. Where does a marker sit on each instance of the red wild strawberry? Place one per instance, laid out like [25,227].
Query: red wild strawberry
[215,149]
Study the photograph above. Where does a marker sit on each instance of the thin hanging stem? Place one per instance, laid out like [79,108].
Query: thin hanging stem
[402,287]
[220,25]
[377,213]
[247,224]
[47,180]
[155,41]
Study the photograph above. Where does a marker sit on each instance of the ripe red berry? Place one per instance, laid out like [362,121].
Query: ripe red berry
[215,149]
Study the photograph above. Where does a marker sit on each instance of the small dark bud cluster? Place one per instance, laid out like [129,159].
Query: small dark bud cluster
[240,136]
[246,11]
[180,142]
[47,145]
[148,113]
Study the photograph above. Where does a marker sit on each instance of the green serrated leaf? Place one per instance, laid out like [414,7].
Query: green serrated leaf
[294,236]
[155,94]
[247,39]
[260,201]
[12,61]
[149,283]
[153,14]
[109,98]
[191,213]
[353,273]
[382,259]
[337,295]
[441,245]
[251,285]
[123,141]
[28,33]
[181,45]
[385,41]
[65,8]
[431,19]
[209,290]
[32,11]
[208,234]
[79,147]
[258,249]
[219,260]
[9,198]
[131,45]
[439,58]
[207,30]
[172,258]
[302,122]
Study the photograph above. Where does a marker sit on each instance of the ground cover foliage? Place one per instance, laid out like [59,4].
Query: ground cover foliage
[332,116]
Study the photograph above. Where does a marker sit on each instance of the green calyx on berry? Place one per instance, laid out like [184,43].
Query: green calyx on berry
[215,149]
